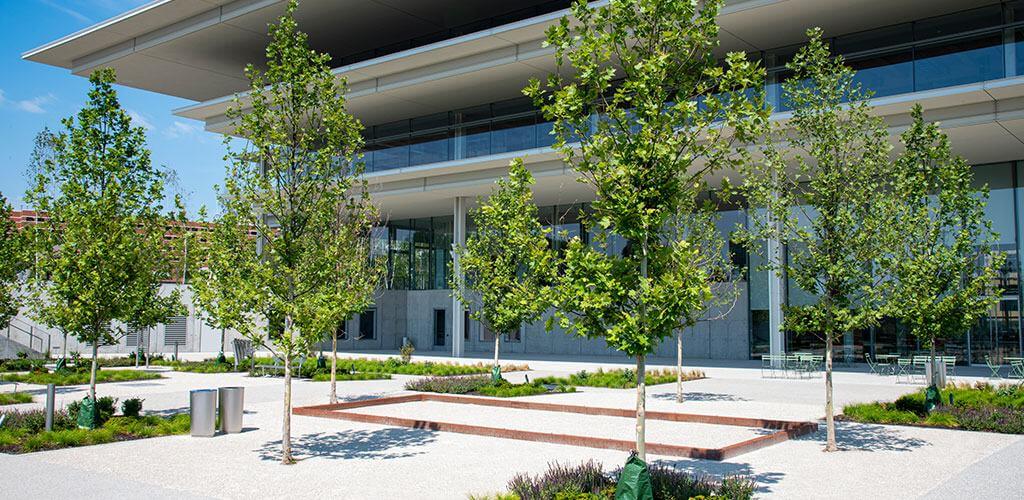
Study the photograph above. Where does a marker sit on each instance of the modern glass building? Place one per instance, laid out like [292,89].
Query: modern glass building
[437,85]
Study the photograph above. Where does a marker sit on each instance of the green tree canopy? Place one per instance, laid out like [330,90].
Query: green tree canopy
[827,196]
[643,113]
[277,248]
[943,263]
[507,262]
[12,263]
[100,255]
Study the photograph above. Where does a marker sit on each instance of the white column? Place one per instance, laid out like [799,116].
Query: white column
[458,241]
[775,333]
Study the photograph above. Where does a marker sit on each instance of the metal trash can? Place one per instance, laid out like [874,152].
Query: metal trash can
[232,405]
[203,410]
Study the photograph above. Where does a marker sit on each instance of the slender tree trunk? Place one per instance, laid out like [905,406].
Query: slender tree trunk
[286,427]
[931,360]
[64,350]
[830,422]
[679,366]
[92,372]
[497,344]
[223,337]
[641,407]
[334,367]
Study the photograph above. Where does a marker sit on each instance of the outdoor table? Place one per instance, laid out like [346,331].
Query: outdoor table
[889,360]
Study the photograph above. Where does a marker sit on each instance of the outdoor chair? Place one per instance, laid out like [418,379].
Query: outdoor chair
[950,362]
[1017,369]
[872,365]
[992,367]
[903,369]
[768,364]
[792,363]
[919,370]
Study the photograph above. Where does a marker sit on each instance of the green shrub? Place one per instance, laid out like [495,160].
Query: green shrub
[482,385]
[23,431]
[80,378]
[22,365]
[13,398]
[619,378]
[979,407]
[589,481]
[132,407]
[342,376]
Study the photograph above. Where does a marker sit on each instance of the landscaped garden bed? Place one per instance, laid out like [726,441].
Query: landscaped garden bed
[620,378]
[79,377]
[397,366]
[13,398]
[21,365]
[23,431]
[589,481]
[482,385]
[979,407]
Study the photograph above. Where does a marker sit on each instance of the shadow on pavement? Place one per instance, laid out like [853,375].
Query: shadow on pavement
[723,469]
[698,396]
[385,444]
[867,437]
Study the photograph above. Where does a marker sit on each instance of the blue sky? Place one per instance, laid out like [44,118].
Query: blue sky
[33,96]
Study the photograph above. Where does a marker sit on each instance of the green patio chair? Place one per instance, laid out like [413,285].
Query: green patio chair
[904,366]
[1017,369]
[768,364]
[993,367]
[873,366]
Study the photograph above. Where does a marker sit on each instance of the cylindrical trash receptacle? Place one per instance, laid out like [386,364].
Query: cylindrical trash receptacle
[232,406]
[203,409]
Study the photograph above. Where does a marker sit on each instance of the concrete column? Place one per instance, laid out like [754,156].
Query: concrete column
[777,342]
[458,241]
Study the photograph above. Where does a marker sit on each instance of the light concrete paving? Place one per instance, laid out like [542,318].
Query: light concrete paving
[351,460]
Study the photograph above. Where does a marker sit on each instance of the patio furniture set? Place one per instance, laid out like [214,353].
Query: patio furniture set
[795,365]
[907,369]
[1015,365]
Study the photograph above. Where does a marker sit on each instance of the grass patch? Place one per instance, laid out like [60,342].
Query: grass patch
[24,433]
[589,481]
[979,407]
[481,385]
[13,398]
[80,378]
[392,366]
[22,365]
[619,378]
[326,377]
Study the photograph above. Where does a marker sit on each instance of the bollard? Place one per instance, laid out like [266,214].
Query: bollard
[231,401]
[51,397]
[203,412]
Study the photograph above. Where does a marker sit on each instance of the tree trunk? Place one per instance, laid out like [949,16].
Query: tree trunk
[286,427]
[223,334]
[64,350]
[334,367]
[92,372]
[931,360]
[497,344]
[641,408]
[830,422]
[679,366]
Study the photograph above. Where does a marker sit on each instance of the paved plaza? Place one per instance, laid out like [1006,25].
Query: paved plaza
[344,459]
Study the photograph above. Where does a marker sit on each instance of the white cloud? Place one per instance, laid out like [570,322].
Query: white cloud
[180,129]
[67,10]
[140,120]
[33,105]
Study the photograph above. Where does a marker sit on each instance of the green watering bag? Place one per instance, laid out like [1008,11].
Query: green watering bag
[635,481]
[87,414]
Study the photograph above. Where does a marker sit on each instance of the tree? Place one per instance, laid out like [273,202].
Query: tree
[507,262]
[645,117]
[12,264]
[360,274]
[826,198]
[943,263]
[276,248]
[100,255]
[697,224]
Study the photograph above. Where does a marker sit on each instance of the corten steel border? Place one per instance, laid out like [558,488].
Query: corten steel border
[783,429]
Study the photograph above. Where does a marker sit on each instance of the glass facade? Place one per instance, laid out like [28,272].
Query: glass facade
[966,47]
[997,334]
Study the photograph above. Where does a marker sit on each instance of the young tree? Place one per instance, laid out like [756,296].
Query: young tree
[827,198]
[943,262]
[507,263]
[101,255]
[698,225]
[360,273]
[646,116]
[288,184]
[12,263]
